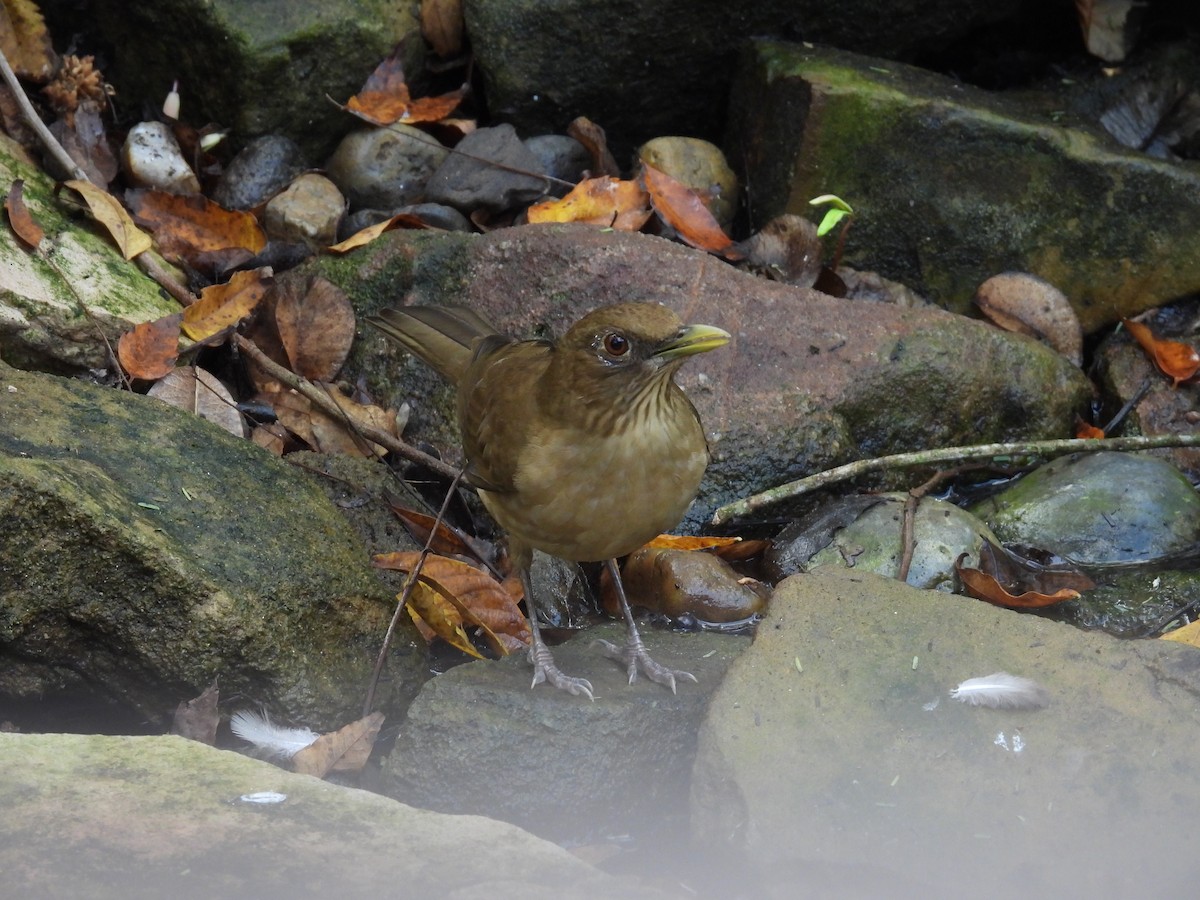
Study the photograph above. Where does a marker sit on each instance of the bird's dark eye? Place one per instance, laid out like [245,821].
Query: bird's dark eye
[616,344]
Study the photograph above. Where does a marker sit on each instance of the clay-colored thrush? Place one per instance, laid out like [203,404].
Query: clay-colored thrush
[584,449]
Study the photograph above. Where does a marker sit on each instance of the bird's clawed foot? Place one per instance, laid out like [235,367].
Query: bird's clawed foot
[636,658]
[545,670]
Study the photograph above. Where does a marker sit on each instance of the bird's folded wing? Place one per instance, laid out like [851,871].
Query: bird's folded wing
[443,336]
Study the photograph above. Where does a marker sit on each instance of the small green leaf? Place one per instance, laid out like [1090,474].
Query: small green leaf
[830,221]
[831,200]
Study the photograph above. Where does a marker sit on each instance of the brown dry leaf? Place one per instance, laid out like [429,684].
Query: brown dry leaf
[366,235]
[385,100]
[484,601]
[197,719]
[440,615]
[25,40]
[273,437]
[188,226]
[1002,573]
[606,201]
[1188,634]
[1176,360]
[442,26]
[1026,304]
[682,209]
[149,351]
[332,434]
[595,141]
[317,328]
[86,141]
[23,226]
[224,305]
[201,393]
[344,750]
[445,541]
[108,211]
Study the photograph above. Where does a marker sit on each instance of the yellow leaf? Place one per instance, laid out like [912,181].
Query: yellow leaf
[108,211]
[1188,634]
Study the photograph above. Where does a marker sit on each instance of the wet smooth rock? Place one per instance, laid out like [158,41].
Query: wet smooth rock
[1099,508]
[383,168]
[261,170]
[561,157]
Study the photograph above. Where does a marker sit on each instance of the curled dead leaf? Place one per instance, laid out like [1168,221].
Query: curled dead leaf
[150,349]
[685,212]
[1026,304]
[22,223]
[1176,360]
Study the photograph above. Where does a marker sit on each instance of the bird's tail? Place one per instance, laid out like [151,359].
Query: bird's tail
[442,336]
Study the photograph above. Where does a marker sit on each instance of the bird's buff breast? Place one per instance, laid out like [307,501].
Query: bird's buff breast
[644,490]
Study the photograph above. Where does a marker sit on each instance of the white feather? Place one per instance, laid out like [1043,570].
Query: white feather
[276,740]
[1002,691]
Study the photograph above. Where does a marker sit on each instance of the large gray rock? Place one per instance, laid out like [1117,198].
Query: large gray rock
[257,68]
[151,817]
[642,70]
[807,382]
[952,185]
[833,757]
[144,552]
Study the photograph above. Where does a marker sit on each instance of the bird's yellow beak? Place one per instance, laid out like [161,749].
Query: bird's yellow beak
[690,340]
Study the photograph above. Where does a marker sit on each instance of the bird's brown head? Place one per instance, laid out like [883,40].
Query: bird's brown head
[624,351]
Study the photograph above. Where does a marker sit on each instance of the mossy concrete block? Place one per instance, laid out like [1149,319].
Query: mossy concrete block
[951,184]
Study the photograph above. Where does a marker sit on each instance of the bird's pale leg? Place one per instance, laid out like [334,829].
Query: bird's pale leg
[634,653]
[544,668]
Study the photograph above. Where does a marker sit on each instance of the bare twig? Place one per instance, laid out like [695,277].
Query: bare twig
[328,406]
[402,600]
[793,489]
[53,147]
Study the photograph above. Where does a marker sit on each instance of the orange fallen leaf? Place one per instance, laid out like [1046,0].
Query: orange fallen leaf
[426,604]
[606,201]
[29,232]
[1087,430]
[316,325]
[223,305]
[1178,361]
[682,209]
[108,211]
[385,99]
[149,350]
[187,226]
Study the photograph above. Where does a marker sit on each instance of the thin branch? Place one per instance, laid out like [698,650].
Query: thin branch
[328,406]
[793,489]
[402,599]
[53,147]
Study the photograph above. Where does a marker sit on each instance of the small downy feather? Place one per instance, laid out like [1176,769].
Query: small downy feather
[275,740]
[1002,691]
